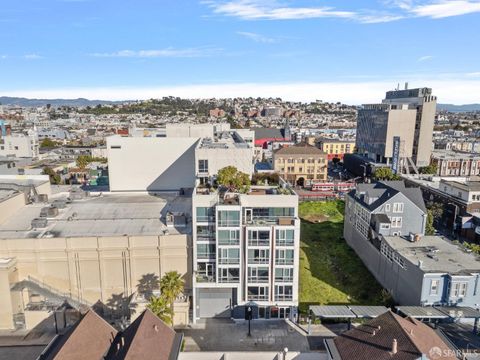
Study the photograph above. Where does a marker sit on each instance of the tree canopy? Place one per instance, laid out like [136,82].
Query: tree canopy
[232,178]
[385,174]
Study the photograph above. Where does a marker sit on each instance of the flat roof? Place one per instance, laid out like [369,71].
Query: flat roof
[365,311]
[107,214]
[422,312]
[435,254]
[460,312]
[332,311]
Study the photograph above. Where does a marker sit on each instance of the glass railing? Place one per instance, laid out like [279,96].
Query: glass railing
[260,242]
[209,219]
[258,261]
[230,242]
[283,297]
[228,261]
[284,261]
[258,279]
[257,297]
[206,255]
[284,242]
[205,278]
[229,279]
[283,278]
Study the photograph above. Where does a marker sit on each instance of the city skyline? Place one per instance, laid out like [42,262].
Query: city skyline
[301,51]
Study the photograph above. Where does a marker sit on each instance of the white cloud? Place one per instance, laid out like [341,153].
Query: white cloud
[275,10]
[258,37]
[425,58]
[161,53]
[3,57]
[446,8]
[473,74]
[32,56]
[350,92]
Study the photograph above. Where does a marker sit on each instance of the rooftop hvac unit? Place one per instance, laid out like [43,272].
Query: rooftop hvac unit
[39,223]
[60,204]
[41,198]
[50,211]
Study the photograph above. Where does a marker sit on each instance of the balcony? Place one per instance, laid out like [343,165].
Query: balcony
[283,297]
[258,260]
[284,242]
[205,219]
[229,279]
[259,242]
[228,242]
[283,261]
[203,278]
[283,279]
[252,297]
[206,256]
[228,261]
[265,220]
[258,279]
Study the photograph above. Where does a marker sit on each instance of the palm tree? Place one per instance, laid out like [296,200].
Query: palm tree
[171,286]
[160,307]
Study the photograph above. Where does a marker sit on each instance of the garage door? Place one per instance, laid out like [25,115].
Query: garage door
[214,302]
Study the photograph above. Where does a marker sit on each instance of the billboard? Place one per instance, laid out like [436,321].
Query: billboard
[396,154]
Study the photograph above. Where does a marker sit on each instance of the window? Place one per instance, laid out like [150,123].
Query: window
[115,147]
[228,275]
[258,237]
[258,256]
[396,222]
[398,207]
[203,166]
[285,237]
[434,287]
[205,214]
[387,207]
[258,274]
[205,251]
[283,292]
[384,226]
[205,233]
[229,256]
[257,293]
[284,257]
[228,237]
[228,218]
[459,290]
[284,274]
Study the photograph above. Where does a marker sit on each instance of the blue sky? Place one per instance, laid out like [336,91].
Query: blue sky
[349,51]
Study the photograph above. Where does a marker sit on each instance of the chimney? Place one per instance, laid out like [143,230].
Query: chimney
[394,346]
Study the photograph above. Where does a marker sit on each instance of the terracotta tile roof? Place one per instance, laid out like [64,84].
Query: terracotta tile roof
[89,338]
[374,339]
[146,338]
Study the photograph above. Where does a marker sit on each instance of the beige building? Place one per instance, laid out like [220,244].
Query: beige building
[107,248]
[335,148]
[301,164]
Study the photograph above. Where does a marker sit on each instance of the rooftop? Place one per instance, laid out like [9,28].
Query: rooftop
[466,186]
[299,150]
[453,155]
[101,215]
[435,254]
[224,140]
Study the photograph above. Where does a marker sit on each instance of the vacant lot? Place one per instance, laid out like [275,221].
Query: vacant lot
[330,271]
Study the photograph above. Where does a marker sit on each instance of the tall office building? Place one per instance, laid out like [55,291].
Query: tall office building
[245,251]
[408,114]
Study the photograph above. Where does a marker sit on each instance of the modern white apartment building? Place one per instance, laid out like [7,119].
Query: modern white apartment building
[19,145]
[245,251]
[187,153]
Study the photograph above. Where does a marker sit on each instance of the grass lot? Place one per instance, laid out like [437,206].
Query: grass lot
[330,271]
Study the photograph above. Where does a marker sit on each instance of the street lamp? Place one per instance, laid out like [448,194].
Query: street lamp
[285,352]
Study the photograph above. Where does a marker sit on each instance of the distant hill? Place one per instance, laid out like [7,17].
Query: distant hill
[17,101]
[459,108]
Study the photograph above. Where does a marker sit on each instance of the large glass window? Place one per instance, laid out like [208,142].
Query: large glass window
[284,274]
[273,212]
[283,293]
[258,256]
[206,251]
[285,237]
[228,218]
[228,237]
[284,257]
[205,233]
[257,293]
[228,275]
[258,274]
[205,214]
[258,237]
[229,256]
